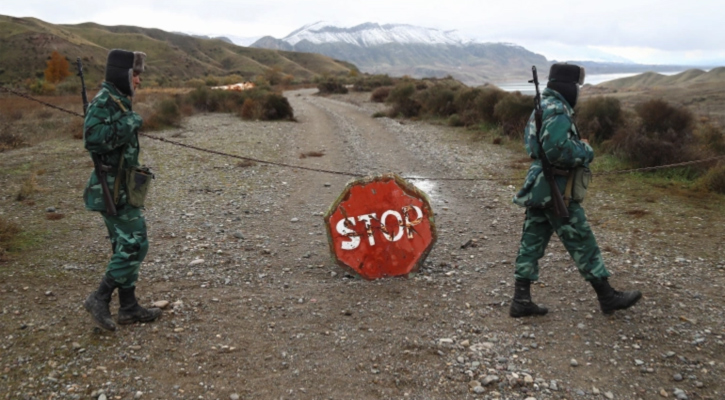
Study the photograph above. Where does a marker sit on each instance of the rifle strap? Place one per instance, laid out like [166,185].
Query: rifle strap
[119,178]
[568,190]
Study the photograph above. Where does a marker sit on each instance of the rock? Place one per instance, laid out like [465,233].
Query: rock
[553,386]
[489,380]
[50,209]
[595,391]
[530,398]
[198,261]
[445,341]
[233,396]
[238,235]
[473,384]
[638,362]
[102,397]
[609,395]
[328,184]
[162,304]
[479,390]
[664,393]
[680,394]
[677,377]
[138,395]
[574,363]
[295,220]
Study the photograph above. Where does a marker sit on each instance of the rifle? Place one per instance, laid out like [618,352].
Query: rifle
[101,170]
[560,209]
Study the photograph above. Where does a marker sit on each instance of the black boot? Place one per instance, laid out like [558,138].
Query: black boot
[611,300]
[130,311]
[521,305]
[97,304]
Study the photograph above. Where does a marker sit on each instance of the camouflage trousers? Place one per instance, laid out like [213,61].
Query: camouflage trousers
[127,232]
[576,235]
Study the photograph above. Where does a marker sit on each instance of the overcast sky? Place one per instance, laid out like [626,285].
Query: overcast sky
[644,31]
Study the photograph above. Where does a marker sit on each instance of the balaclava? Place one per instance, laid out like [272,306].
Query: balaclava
[565,79]
[120,67]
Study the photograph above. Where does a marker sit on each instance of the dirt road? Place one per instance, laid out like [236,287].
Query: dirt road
[259,311]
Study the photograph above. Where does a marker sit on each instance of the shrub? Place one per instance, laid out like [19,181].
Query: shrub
[331,86]
[599,118]
[9,139]
[713,180]
[370,82]
[512,112]
[380,94]
[276,107]
[455,120]
[485,103]
[633,143]
[8,231]
[437,101]
[659,118]
[41,87]
[194,83]
[251,110]
[465,104]
[166,114]
[401,100]
[711,138]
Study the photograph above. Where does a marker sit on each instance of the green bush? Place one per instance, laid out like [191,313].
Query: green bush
[599,118]
[276,107]
[662,135]
[369,82]
[486,101]
[331,86]
[455,120]
[711,139]
[437,101]
[166,114]
[401,100]
[713,180]
[380,94]
[659,118]
[512,112]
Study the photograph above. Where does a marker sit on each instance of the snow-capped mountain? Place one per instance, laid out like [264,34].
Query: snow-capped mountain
[398,49]
[372,34]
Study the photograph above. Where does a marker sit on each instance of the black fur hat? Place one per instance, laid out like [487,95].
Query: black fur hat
[120,67]
[565,79]
[569,73]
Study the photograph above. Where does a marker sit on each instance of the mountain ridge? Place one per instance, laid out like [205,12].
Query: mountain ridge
[25,44]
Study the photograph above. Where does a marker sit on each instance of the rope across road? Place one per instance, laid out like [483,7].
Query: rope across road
[347,173]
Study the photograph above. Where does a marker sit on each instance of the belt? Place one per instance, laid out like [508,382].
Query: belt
[560,172]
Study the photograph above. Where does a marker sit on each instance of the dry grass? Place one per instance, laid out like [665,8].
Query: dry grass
[54,216]
[246,164]
[28,188]
[8,231]
[312,154]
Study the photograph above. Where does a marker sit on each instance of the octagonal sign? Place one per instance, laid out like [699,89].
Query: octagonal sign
[380,226]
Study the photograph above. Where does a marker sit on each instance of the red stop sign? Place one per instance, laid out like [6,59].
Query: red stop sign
[380,226]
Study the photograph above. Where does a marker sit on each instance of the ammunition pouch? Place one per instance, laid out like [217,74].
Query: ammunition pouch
[138,181]
[582,176]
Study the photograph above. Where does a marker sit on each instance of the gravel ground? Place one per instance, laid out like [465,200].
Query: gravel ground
[256,309]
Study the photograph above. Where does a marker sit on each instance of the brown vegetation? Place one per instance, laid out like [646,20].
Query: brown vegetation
[8,231]
[57,68]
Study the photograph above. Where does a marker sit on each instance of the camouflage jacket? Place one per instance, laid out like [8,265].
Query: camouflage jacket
[562,145]
[110,131]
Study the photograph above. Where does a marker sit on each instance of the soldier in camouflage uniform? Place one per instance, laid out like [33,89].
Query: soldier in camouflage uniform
[111,133]
[565,150]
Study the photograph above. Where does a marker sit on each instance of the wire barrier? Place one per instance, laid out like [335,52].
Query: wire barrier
[347,173]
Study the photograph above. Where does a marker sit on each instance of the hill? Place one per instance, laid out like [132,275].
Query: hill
[26,43]
[409,50]
[649,80]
